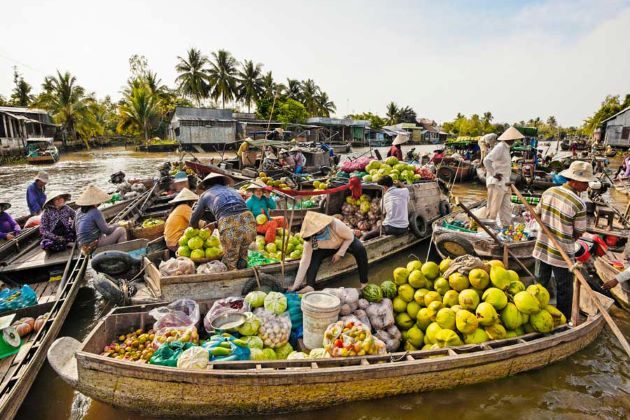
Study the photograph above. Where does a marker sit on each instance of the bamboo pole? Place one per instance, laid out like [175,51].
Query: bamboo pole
[578,274]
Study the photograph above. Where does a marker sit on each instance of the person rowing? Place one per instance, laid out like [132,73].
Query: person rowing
[36,194]
[9,228]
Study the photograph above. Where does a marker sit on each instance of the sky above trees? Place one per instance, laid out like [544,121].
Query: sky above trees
[517,59]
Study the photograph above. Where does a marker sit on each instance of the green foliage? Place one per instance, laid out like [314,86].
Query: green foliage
[291,111]
[609,107]
[473,126]
[222,76]
[376,122]
[250,83]
[21,95]
[139,110]
[193,80]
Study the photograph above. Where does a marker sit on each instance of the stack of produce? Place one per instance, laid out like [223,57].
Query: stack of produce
[152,222]
[357,165]
[134,346]
[363,214]
[272,326]
[488,303]
[398,171]
[349,338]
[514,233]
[199,245]
[321,185]
[293,245]
[283,183]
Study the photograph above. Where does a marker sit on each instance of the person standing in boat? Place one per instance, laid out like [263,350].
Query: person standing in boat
[261,203]
[9,228]
[396,204]
[179,218]
[498,166]
[237,226]
[92,229]
[325,236]
[396,150]
[36,193]
[300,160]
[486,143]
[57,223]
[562,210]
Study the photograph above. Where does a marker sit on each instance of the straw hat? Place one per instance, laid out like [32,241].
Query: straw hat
[511,134]
[42,176]
[51,197]
[92,196]
[295,149]
[314,222]
[400,139]
[184,196]
[180,176]
[4,205]
[256,186]
[228,181]
[579,171]
[271,155]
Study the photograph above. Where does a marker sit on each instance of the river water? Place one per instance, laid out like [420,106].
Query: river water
[594,383]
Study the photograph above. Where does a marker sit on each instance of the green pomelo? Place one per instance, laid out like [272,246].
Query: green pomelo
[445,264]
[479,279]
[465,321]
[445,318]
[183,251]
[458,281]
[415,336]
[409,347]
[430,270]
[406,292]
[450,298]
[429,334]
[558,317]
[499,277]
[526,303]
[412,309]
[432,297]
[425,317]
[404,321]
[195,243]
[399,305]
[414,265]
[441,285]
[486,314]
[513,275]
[542,321]
[496,332]
[416,279]
[515,287]
[495,297]
[478,336]
[419,295]
[435,305]
[468,299]
[400,275]
[511,317]
[540,293]
[447,338]
[197,254]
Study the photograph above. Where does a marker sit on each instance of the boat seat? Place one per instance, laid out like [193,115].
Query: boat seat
[605,213]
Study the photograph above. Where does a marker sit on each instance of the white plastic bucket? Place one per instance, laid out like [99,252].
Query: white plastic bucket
[319,310]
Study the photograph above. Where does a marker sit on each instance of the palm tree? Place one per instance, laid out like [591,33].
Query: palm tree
[193,80]
[407,114]
[222,76]
[65,100]
[293,89]
[309,94]
[551,121]
[325,106]
[138,110]
[250,84]
[21,95]
[488,117]
[392,113]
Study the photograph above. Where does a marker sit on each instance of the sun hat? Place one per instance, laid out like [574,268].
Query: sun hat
[42,176]
[400,139]
[579,171]
[4,205]
[181,176]
[92,196]
[256,186]
[314,222]
[228,181]
[511,134]
[51,197]
[295,149]
[270,155]
[184,195]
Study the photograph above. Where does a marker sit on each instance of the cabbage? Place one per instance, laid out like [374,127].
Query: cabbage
[269,354]
[319,353]
[250,326]
[256,354]
[255,299]
[253,342]
[276,302]
[297,355]
[195,357]
[284,350]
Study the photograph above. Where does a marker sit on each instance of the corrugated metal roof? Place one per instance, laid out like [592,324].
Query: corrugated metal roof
[202,114]
[338,121]
[22,110]
[616,115]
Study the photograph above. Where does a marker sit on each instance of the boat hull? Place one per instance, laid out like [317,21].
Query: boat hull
[42,160]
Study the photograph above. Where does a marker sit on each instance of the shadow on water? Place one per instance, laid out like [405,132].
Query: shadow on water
[593,383]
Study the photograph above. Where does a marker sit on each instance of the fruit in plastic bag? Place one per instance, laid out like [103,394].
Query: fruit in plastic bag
[283,351]
[193,358]
[177,267]
[250,326]
[319,353]
[253,342]
[275,303]
[256,299]
[274,329]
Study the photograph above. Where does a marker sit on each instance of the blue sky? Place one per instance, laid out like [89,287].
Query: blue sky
[517,59]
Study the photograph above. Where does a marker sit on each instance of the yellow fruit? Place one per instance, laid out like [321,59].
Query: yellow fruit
[558,317]
[440,285]
[399,305]
[499,277]
[468,299]
[414,265]
[450,298]
[542,321]
[466,322]
[515,287]
[495,297]
[445,318]
[513,275]
[478,336]
[496,263]
[432,297]
[412,309]
[435,305]
[510,317]
[478,278]
[416,278]
[496,332]
[458,281]
[447,338]
[415,336]
[430,270]
[400,275]
[406,292]
[418,296]
[526,303]
[486,314]
[445,264]
[429,334]
[425,317]
[540,293]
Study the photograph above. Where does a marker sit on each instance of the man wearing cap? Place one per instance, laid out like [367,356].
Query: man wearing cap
[237,227]
[498,166]
[179,219]
[564,213]
[9,228]
[36,193]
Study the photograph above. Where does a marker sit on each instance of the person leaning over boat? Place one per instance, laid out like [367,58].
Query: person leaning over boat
[36,193]
[325,236]
[57,223]
[396,204]
[9,228]
[237,227]
[498,166]
[261,203]
[92,229]
[621,278]
[562,210]
[179,218]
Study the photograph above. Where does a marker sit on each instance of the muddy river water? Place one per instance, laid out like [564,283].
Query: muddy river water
[594,383]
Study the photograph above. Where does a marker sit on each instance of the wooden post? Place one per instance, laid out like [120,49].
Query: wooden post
[575,308]
[505,256]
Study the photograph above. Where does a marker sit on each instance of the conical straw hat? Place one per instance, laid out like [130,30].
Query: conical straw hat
[184,195]
[314,222]
[511,134]
[51,196]
[92,196]
[400,139]
[228,181]
[256,186]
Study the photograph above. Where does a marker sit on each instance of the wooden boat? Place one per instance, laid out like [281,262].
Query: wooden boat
[607,272]
[341,148]
[455,170]
[203,170]
[41,150]
[271,387]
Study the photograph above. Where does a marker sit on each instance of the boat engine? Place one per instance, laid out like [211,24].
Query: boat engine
[596,189]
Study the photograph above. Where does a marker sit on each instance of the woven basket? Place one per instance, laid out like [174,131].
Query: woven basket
[151,233]
[205,260]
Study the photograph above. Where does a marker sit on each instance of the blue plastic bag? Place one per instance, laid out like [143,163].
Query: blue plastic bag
[12,299]
[236,352]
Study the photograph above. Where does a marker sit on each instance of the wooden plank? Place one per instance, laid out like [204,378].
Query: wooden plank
[37,258]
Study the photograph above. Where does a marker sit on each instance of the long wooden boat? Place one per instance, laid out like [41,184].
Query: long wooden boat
[341,148]
[455,170]
[203,170]
[270,387]
[607,272]
[41,150]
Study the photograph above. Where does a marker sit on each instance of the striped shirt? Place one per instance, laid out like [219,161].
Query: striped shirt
[564,214]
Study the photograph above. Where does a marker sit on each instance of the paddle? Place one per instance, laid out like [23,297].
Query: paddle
[492,235]
[611,323]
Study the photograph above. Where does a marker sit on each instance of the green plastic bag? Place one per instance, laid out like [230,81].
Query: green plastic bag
[168,353]
[255,259]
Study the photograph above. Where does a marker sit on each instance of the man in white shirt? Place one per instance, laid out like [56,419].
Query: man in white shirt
[486,143]
[396,204]
[498,166]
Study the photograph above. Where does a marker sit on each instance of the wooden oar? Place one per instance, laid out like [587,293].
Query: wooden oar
[492,235]
[611,323]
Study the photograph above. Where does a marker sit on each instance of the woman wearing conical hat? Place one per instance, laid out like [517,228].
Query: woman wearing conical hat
[325,236]
[179,218]
[92,229]
[57,223]
[9,228]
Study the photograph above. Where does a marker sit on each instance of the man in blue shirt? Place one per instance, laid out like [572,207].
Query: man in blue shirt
[36,193]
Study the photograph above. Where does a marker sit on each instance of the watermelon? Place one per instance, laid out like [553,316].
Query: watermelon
[373,293]
[389,289]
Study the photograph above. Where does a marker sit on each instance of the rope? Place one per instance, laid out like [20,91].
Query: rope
[257,276]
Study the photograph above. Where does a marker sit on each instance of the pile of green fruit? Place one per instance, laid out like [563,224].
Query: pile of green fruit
[490,303]
[134,346]
[293,245]
[152,222]
[398,171]
[199,245]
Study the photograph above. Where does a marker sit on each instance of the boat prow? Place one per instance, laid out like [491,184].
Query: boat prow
[62,360]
